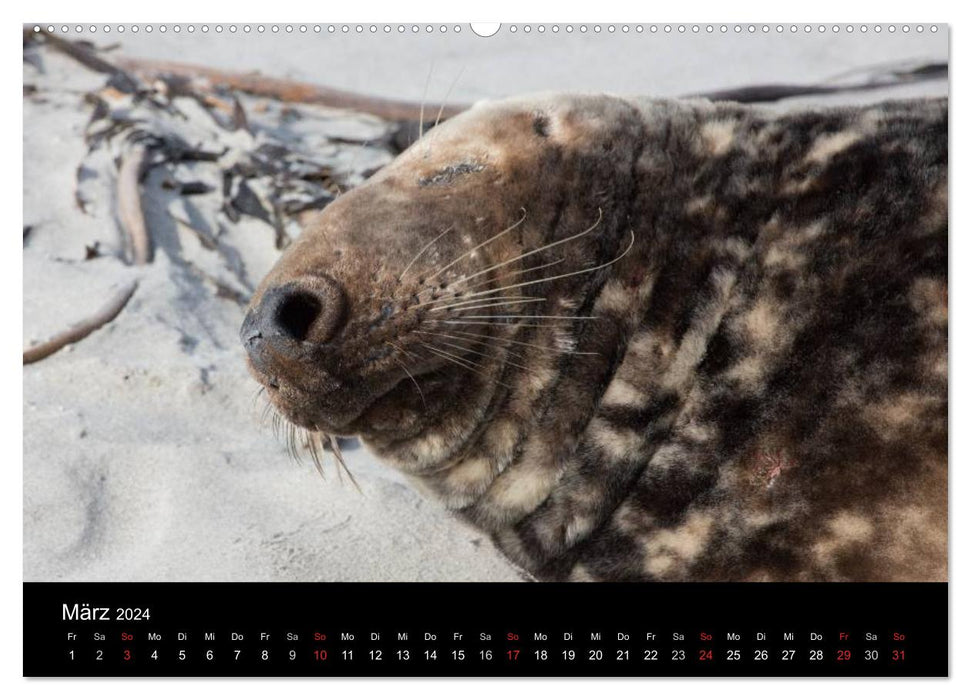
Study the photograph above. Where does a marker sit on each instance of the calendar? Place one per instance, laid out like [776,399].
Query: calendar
[598,349]
[495,630]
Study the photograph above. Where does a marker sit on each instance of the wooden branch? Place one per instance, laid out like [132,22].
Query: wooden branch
[130,203]
[285,90]
[106,314]
[252,83]
[774,93]
[82,53]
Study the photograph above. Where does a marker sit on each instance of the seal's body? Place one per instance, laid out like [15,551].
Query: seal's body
[643,340]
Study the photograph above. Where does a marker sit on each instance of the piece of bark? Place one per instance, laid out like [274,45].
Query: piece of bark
[105,315]
[775,92]
[85,55]
[240,121]
[283,89]
[130,203]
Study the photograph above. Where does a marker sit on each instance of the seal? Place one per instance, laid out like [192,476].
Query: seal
[642,340]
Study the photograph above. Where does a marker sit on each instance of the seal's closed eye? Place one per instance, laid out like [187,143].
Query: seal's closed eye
[446,175]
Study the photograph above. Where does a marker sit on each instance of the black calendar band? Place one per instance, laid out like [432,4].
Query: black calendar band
[478,629]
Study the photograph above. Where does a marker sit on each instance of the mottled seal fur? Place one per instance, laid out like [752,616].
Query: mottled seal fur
[643,340]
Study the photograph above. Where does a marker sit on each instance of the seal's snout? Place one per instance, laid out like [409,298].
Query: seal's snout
[307,310]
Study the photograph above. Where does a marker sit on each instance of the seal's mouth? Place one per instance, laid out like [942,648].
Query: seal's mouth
[309,413]
[350,343]
[321,368]
[331,343]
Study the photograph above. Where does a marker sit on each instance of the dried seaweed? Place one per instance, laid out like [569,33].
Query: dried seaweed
[267,163]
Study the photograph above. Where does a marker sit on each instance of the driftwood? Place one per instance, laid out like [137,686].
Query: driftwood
[86,56]
[82,53]
[774,93]
[83,329]
[130,203]
[283,90]
[124,70]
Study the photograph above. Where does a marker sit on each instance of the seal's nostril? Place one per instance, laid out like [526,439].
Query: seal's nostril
[296,314]
[309,309]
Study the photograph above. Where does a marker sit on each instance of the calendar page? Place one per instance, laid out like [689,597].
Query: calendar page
[611,349]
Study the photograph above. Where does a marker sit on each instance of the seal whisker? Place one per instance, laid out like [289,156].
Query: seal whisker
[570,318]
[314,446]
[285,437]
[515,273]
[420,252]
[477,341]
[259,393]
[491,295]
[534,251]
[421,110]
[267,405]
[564,326]
[289,433]
[464,305]
[302,441]
[483,354]
[472,250]
[410,376]
[520,342]
[441,110]
[456,358]
[267,408]
[337,464]
[295,433]
[564,275]
[406,352]
[292,442]
[448,94]
[462,364]
[336,448]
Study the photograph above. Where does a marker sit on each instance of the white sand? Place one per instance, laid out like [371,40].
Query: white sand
[143,454]
[144,458]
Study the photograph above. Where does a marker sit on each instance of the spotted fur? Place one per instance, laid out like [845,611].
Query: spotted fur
[757,390]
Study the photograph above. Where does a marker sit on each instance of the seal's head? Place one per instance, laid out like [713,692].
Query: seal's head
[396,309]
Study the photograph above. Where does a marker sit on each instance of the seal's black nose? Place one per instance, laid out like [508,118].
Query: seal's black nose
[308,310]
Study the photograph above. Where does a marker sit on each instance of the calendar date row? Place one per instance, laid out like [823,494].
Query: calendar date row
[404,655]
